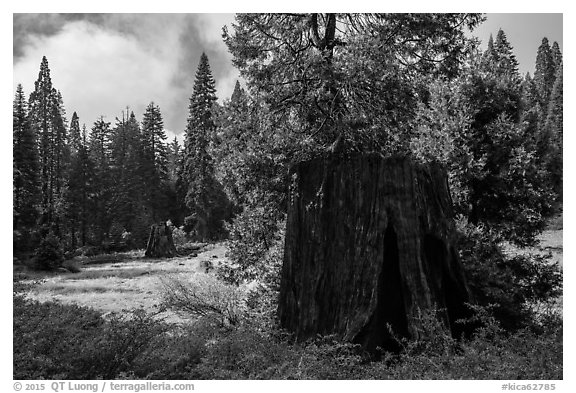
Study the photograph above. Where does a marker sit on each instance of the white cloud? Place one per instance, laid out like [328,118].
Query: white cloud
[102,66]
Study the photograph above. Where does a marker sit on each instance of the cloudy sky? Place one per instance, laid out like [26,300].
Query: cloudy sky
[104,62]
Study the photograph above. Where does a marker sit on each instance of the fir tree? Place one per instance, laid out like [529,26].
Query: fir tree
[128,180]
[531,100]
[238,94]
[490,53]
[154,136]
[75,134]
[174,159]
[47,117]
[197,178]
[554,131]
[99,152]
[544,74]
[506,61]
[25,163]
[155,161]
[81,189]
[556,56]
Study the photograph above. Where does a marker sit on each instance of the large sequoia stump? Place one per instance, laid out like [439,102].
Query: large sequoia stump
[369,243]
[160,243]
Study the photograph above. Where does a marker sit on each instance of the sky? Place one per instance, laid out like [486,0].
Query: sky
[103,63]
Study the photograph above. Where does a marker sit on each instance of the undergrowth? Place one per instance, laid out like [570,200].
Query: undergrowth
[56,341]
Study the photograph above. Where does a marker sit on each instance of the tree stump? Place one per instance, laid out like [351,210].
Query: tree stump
[160,243]
[369,244]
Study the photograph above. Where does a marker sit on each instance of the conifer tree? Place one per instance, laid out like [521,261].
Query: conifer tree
[530,96]
[81,188]
[506,60]
[127,177]
[544,74]
[237,94]
[203,193]
[155,160]
[174,159]
[25,163]
[99,152]
[490,53]
[75,134]
[47,117]
[556,56]
[154,137]
[554,130]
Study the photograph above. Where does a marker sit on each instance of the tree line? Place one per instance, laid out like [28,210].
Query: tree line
[396,84]
[105,186]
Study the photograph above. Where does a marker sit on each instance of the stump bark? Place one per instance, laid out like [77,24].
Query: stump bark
[160,243]
[370,242]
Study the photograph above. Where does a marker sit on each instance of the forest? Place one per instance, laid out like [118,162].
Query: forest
[408,86]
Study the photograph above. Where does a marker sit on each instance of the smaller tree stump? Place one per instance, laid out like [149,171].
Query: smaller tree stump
[160,243]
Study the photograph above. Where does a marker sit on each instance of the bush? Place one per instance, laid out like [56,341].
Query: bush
[492,353]
[49,254]
[511,284]
[255,247]
[178,236]
[55,341]
[72,265]
[121,341]
[204,296]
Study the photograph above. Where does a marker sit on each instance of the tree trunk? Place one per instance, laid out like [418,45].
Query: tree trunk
[160,243]
[369,244]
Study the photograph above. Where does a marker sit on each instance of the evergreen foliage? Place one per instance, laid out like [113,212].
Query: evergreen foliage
[100,154]
[46,112]
[80,192]
[154,165]
[544,74]
[25,164]
[204,196]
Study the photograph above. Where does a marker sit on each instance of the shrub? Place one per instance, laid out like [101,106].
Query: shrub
[179,236]
[49,254]
[55,341]
[72,265]
[204,296]
[255,247]
[492,353]
[511,284]
[121,341]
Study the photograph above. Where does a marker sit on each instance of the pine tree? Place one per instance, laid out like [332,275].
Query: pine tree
[75,134]
[155,160]
[61,151]
[530,96]
[544,74]
[25,164]
[153,135]
[197,177]
[127,183]
[237,94]
[554,130]
[99,152]
[81,189]
[556,56]
[505,58]
[174,159]
[47,117]
[490,53]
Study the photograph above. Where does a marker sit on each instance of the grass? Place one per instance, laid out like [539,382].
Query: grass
[109,283]
[60,333]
